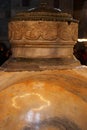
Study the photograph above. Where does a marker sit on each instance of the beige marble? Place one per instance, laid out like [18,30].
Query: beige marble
[46,100]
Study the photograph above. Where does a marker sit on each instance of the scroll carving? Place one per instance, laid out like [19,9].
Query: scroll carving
[33,30]
[15,30]
[64,31]
[49,31]
[45,30]
[75,32]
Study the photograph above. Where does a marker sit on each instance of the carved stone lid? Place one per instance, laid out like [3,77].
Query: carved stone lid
[44,14]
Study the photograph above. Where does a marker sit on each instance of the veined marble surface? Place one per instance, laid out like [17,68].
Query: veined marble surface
[44,100]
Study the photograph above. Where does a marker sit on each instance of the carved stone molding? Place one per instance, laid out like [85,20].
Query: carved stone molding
[47,31]
[51,39]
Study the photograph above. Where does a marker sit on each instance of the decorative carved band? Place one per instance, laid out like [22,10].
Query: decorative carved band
[43,31]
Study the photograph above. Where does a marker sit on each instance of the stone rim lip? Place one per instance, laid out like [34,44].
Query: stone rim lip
[43,14]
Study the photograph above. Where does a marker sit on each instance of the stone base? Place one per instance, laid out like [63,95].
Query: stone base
[39,64]
[26,51]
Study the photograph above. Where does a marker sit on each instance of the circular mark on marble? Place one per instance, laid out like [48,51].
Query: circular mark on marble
[53,124]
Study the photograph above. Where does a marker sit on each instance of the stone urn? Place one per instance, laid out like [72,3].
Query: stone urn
[54,96]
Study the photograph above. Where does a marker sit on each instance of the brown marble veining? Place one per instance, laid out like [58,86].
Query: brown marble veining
[42,86]
[46,100]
